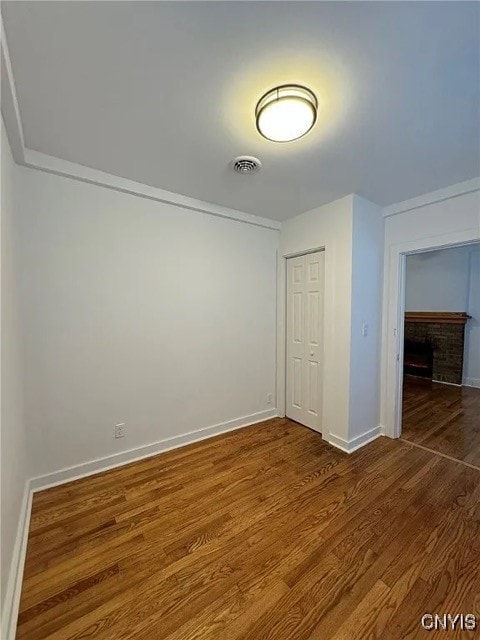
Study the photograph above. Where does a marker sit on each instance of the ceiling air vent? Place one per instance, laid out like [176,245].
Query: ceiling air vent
[246,164]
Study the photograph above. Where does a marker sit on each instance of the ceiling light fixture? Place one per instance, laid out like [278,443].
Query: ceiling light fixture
[286,113]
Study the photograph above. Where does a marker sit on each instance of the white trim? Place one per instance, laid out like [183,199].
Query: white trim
[349,446]
[454,190]
[449,384]
[472,382]
[10,102]
[146,451]
[281,330]
[402,284]
[14,585]
[50,164]
[433,381]
[15,576]
[394,304]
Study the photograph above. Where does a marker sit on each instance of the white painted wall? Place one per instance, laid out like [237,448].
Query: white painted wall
[438,280]
[351,231]
[367,282]
[449,280]
[138,312]
[328,227]
[471,363]
[430,224]
[14,470]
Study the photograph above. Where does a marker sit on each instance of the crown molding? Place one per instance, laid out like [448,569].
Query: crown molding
[57,166]
[50,164]
[10,107]
[453,191]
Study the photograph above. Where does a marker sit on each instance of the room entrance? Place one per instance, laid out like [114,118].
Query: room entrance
[441,352]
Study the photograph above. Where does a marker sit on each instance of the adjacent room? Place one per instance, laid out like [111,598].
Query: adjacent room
[441,363]
[240,339]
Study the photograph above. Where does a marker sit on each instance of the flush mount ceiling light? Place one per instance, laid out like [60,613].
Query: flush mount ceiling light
[286,113]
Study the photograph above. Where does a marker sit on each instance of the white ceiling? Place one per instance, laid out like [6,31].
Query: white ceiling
[164,93]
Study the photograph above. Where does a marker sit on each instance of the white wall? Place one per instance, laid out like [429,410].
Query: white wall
[351,231]
[367,282]
[449,280]
[471,363]
[438,280]
[14,470]
[138,312]
[328,227]
[432,224]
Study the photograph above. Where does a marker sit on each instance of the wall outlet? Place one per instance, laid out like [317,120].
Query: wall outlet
[120,430]
[269,398]
[364,329]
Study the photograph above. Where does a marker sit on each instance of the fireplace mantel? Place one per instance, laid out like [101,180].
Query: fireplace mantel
[437,317]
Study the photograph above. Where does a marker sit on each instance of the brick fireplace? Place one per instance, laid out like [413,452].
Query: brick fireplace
[444,333]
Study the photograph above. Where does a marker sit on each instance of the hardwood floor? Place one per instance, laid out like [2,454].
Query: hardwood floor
[266,533]
[443,418]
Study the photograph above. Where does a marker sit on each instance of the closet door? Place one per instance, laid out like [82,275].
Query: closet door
[305,299]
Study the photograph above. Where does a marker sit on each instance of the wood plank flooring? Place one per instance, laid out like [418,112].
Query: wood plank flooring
[442,418]
[266,533]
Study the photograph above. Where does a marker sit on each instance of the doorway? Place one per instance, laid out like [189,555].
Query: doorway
[440,372]
[305,293]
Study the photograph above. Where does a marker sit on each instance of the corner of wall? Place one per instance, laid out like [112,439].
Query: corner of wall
[13,591]
[435,220]
[353,444]
[15,487]
[366,314]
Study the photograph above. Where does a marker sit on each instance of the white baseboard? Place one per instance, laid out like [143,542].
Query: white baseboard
[125,457]
[14,585]
[449,384]
[472,382]
[349,446]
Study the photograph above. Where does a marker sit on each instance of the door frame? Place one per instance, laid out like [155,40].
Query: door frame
[281,370]
[394,312]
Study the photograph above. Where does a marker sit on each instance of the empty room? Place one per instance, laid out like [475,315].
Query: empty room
[240,348]
[441,364]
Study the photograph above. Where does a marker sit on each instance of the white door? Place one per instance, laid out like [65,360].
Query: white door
[305,298]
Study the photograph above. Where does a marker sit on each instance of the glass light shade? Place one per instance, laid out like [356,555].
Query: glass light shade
[286,113]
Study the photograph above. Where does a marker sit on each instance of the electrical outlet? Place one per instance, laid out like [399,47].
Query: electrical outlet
[269,398]
[364,329]
[120,430]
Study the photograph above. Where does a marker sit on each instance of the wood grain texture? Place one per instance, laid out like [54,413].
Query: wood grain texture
[437,317]
[266,533]
[443,418]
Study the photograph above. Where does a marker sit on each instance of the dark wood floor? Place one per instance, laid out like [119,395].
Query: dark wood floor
[266,533]
[443,418]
